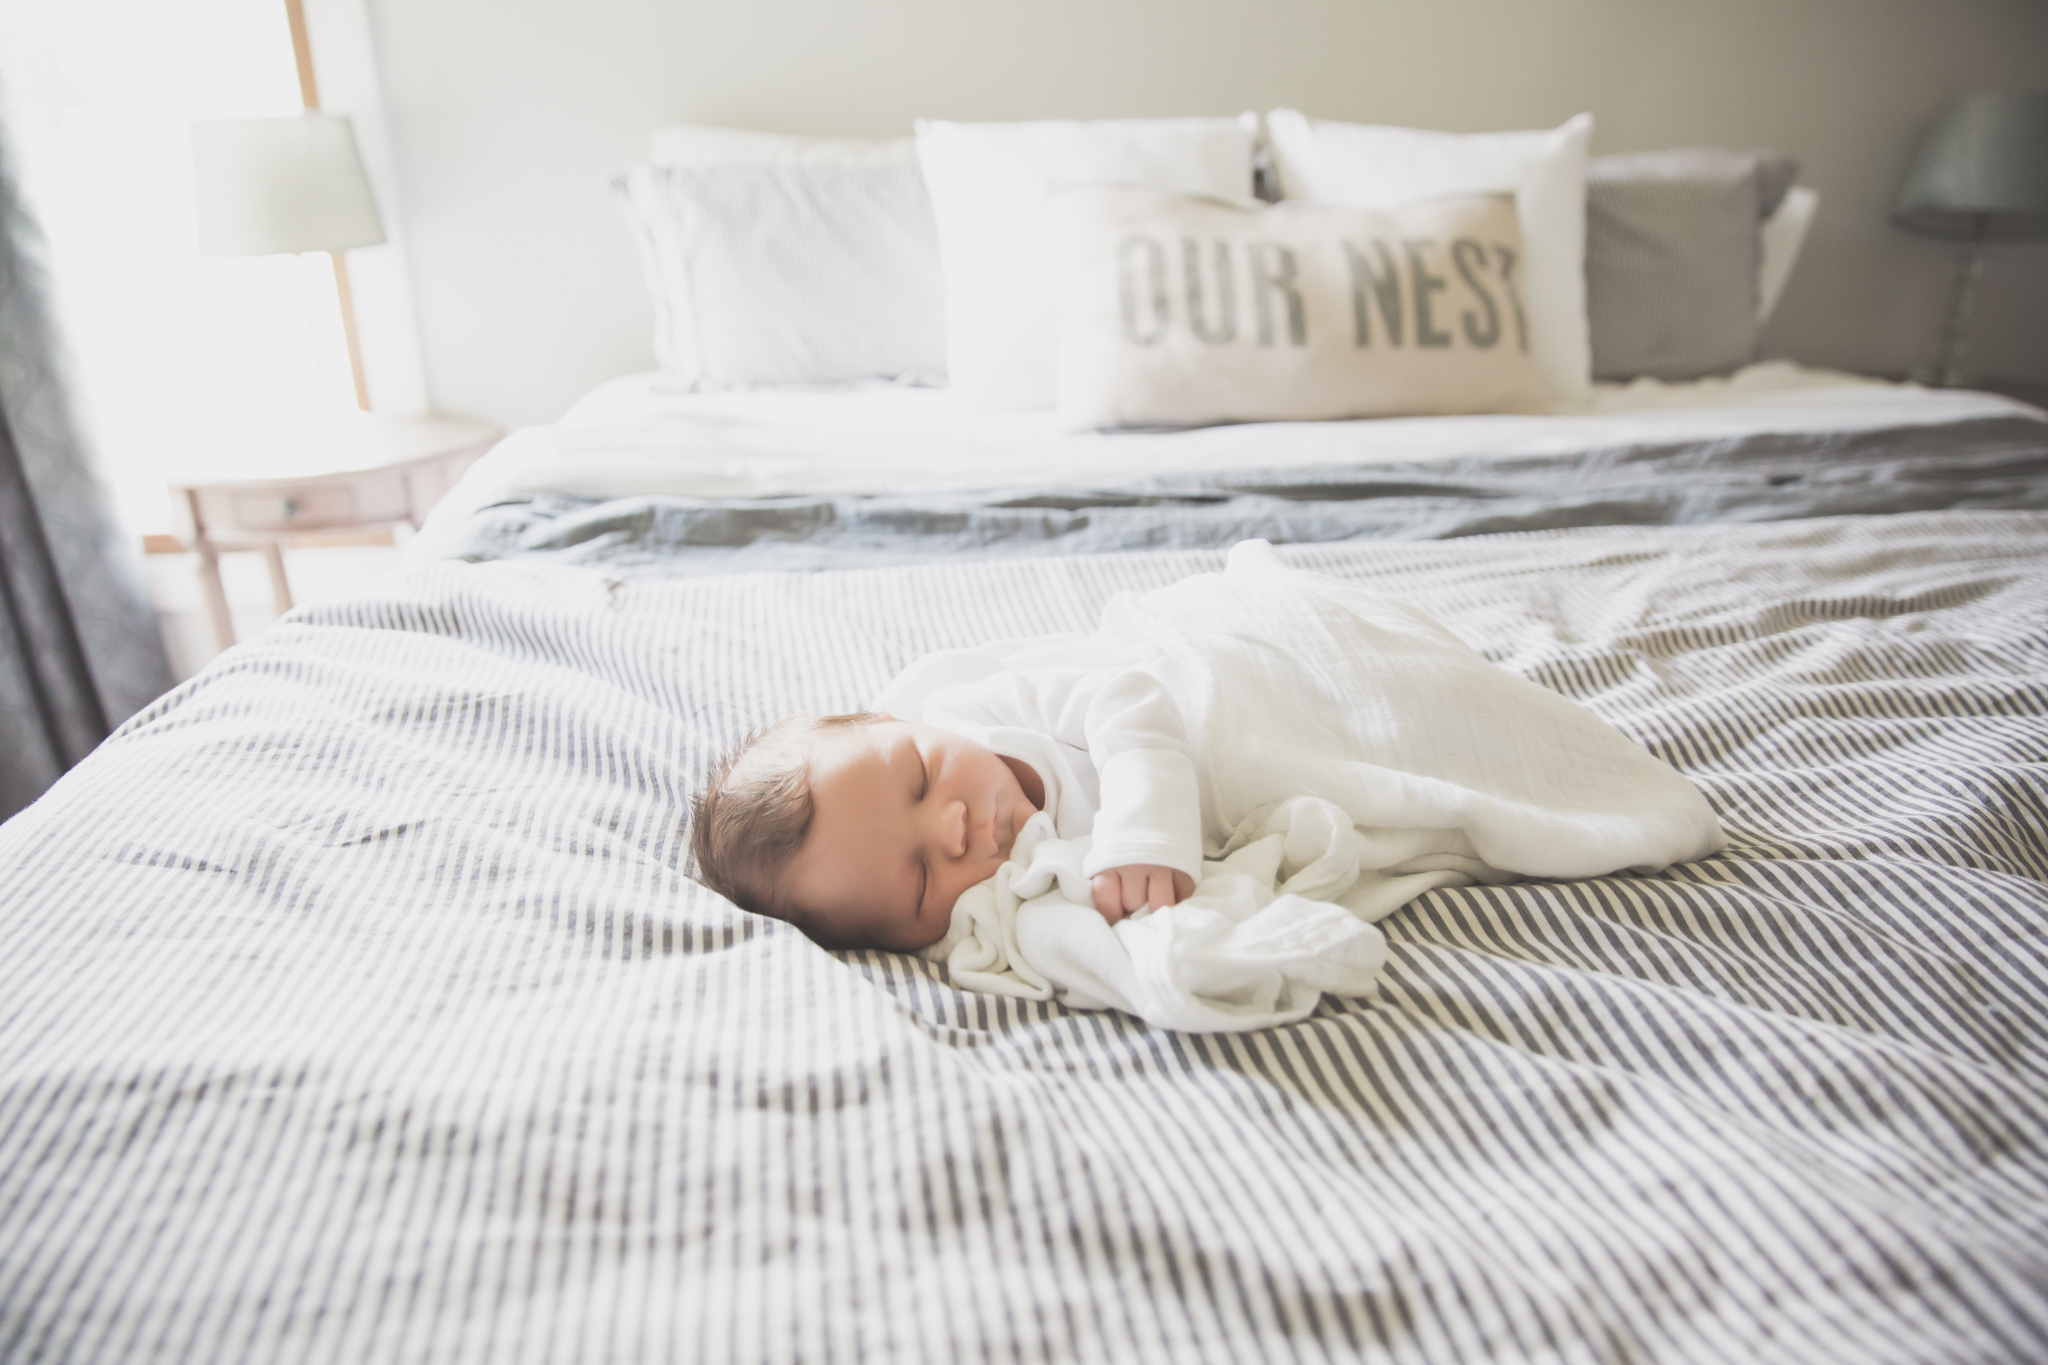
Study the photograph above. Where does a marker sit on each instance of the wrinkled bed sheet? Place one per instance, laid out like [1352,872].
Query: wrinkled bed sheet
[355,1004]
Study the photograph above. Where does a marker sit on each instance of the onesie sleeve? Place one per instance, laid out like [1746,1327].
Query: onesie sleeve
[1151,810]
[1132,731]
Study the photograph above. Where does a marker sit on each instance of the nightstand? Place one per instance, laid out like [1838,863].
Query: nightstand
[359,473]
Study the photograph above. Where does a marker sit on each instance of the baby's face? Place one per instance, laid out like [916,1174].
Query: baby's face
[904,818]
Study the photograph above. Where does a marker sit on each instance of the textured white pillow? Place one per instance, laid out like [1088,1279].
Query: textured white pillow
[1365,166]
[1176,309]
[790,274]
[988,183]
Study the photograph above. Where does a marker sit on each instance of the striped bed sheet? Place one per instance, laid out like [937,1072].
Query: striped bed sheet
[355,1004]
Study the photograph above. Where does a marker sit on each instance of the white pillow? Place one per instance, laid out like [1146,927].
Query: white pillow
[988,184]
[789,274]
[1177,309]
[1365,166]
[697,144]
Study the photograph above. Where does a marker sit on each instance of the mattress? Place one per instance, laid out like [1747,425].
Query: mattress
[850,478]
[355,1002]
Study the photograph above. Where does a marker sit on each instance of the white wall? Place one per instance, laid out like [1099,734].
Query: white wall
[345,67]
[508,115]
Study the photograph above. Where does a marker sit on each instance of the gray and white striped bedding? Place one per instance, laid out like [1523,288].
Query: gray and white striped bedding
[355,1005]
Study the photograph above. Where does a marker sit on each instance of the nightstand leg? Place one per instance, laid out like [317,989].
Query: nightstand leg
[216,596]
[280,590]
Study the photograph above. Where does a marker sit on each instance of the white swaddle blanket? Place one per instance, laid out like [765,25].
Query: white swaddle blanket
[1352,755]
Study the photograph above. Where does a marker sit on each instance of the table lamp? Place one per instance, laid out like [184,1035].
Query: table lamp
[274,185]
[1981,175]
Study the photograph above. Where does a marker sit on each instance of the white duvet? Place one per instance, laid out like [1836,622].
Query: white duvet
[1352,754]
[639,434]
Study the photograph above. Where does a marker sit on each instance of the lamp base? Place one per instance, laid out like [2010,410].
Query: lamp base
[1955,343]
[345,296]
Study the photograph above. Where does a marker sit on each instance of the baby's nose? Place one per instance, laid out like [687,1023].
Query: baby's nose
[952,829]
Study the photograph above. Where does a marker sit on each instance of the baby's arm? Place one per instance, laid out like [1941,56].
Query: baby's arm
[1148,833]
[1150,817]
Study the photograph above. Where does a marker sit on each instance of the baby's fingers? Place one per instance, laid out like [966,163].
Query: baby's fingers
[1139,889]
[1108,889]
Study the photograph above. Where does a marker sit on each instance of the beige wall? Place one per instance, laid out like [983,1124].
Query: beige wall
[508,115]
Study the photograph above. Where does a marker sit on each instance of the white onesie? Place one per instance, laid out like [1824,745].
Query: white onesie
[1195,709]
[1314,755]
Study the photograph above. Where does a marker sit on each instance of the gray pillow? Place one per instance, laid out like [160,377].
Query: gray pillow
[1672,256]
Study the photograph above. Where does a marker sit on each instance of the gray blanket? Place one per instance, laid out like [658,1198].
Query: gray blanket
[1985,462]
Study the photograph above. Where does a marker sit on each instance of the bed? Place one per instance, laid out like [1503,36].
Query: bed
[356,1002]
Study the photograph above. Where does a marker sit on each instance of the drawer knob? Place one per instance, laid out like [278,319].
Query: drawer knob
[291,507]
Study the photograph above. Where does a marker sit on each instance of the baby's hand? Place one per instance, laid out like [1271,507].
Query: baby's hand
[1123,892]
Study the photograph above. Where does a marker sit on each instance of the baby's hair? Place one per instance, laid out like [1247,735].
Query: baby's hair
[752,815]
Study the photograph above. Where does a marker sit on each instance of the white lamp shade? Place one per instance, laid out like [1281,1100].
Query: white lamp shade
[270,185]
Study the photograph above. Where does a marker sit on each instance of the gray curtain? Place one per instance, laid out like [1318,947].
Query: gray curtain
[79,647]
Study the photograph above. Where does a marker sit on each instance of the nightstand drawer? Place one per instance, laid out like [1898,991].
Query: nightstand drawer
[365,498]
[264,511]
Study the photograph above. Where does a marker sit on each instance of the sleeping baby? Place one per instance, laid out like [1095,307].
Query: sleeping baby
[1215,750]
[863,830]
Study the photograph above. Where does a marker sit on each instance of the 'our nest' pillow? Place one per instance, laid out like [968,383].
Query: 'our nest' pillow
[1183,309]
